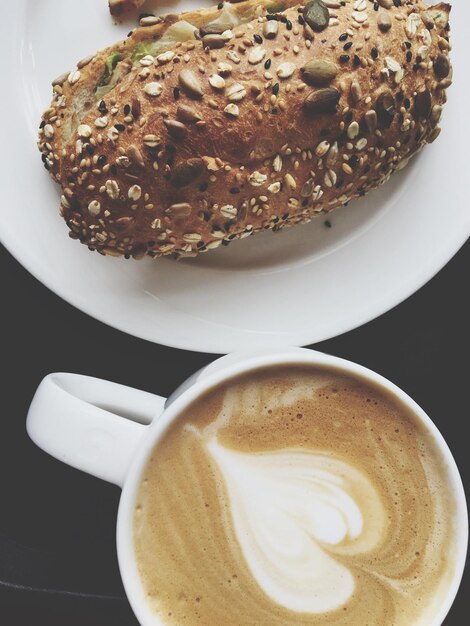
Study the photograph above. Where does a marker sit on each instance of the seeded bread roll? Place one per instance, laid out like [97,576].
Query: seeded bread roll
[210,126]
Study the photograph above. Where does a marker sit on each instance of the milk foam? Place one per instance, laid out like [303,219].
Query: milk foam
[289,509]
[295,497]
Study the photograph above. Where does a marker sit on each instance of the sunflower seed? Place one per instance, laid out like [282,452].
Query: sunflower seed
[187,114]
[277,163]
[356,91]
[176,129]
[190,83]
[330,178]
[86,61]
[370,119]
[135,155]
[180,209]
[307,188]
[290,181]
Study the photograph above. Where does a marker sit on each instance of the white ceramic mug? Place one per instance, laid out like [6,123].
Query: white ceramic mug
[109,430]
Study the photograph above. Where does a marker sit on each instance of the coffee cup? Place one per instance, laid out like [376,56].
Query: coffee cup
[112,431]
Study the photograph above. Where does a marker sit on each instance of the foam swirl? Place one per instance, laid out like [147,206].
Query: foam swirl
[289,507]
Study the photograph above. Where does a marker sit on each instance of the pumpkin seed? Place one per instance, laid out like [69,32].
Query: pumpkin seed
[423,104]
[441,66]
[384,21]
[318,72]
[322,101]
[213,29]
[316,14]
[214,41]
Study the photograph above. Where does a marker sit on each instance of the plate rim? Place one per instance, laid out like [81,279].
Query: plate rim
[216,343]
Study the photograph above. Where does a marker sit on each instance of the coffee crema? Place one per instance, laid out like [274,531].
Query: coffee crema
[295,495]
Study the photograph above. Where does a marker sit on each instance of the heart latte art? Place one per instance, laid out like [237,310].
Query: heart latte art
[290,510]
[295,496]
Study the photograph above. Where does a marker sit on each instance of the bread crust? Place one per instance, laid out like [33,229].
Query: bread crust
[280,123]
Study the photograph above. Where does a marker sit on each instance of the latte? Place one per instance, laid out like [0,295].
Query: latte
[295,495]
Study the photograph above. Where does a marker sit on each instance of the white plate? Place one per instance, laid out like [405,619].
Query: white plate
[297,287]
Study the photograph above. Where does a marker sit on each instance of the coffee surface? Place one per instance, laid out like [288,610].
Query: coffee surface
[295,495]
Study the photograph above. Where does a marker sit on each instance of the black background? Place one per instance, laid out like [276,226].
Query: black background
[57,546]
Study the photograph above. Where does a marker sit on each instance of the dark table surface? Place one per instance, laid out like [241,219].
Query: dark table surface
[57,547]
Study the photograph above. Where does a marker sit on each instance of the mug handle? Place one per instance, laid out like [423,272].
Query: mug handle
[91,424]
